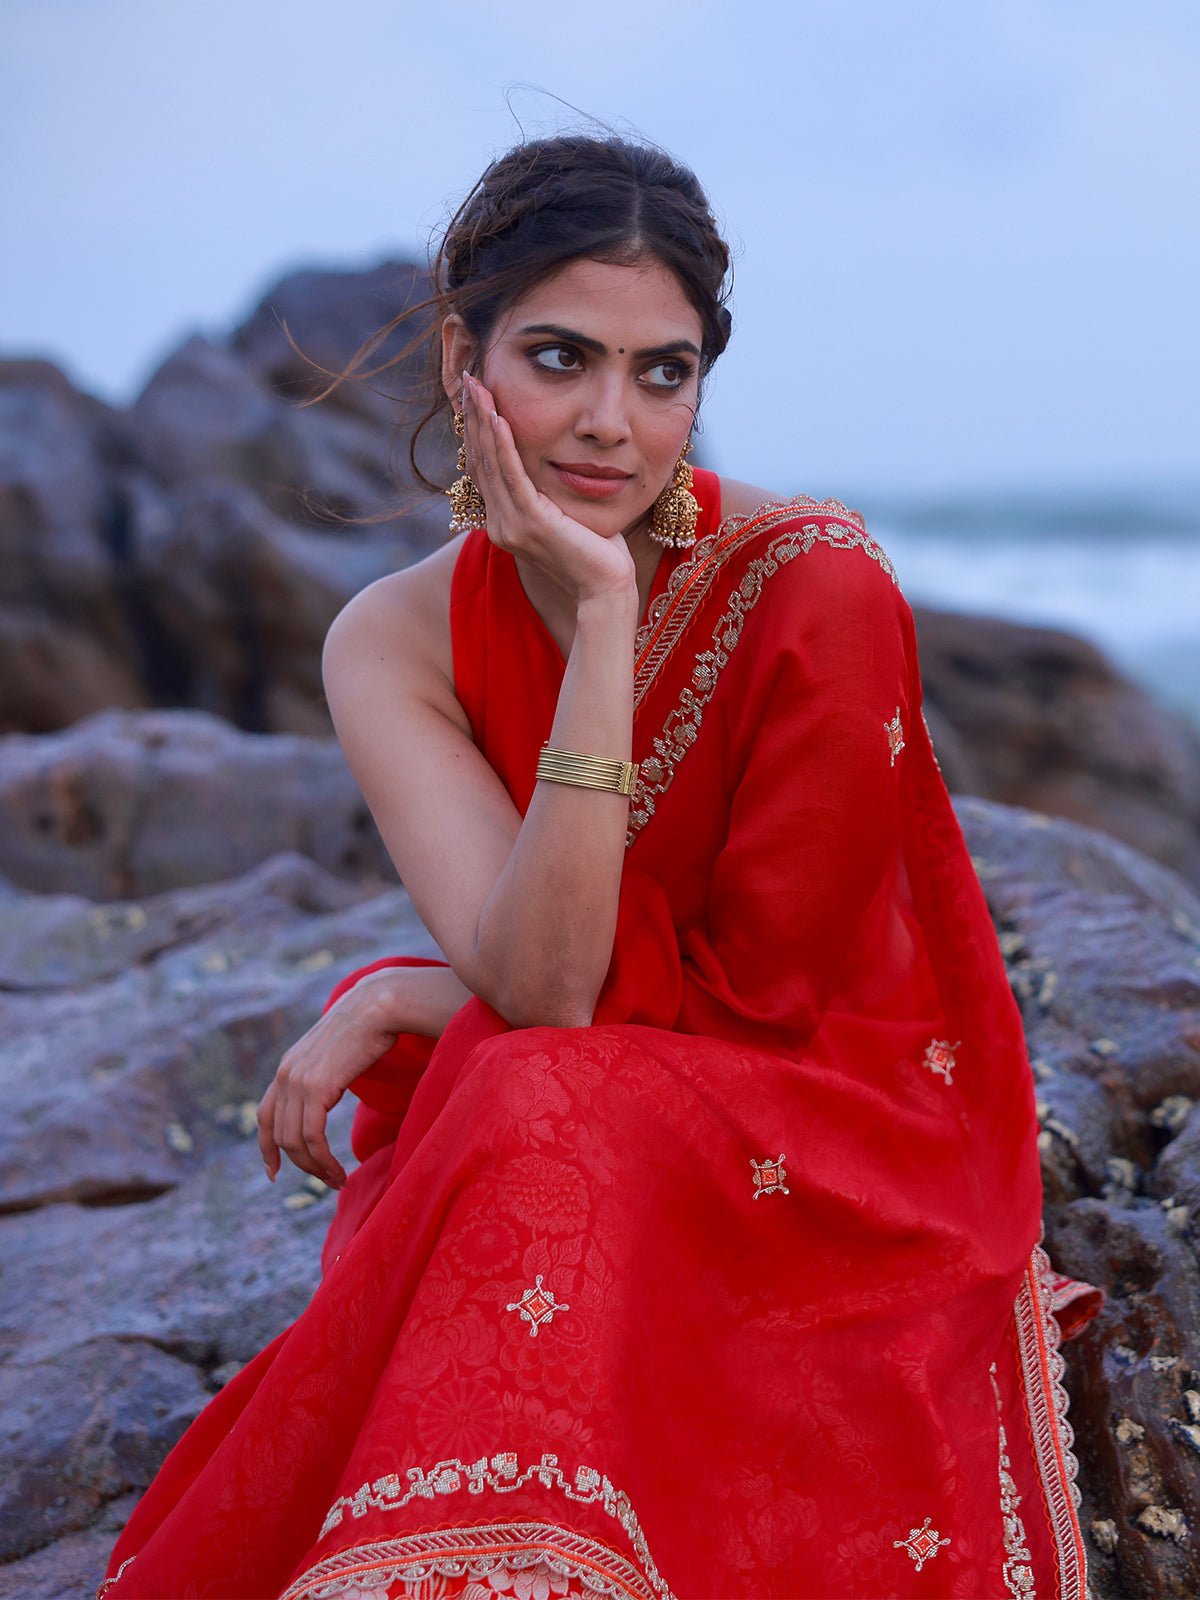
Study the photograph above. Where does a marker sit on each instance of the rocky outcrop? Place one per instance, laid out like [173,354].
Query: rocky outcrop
[131,804]
[1037,718]
[193,549]
[1103,948]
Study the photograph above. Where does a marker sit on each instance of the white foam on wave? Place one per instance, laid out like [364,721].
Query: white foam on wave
[1138,599]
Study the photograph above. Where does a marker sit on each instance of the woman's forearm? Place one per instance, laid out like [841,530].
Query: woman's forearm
[410,999]
[546,930]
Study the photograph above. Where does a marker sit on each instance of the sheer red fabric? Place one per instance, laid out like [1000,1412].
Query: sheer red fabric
[737,1291]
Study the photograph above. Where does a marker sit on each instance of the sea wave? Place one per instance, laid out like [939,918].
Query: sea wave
[1124,575]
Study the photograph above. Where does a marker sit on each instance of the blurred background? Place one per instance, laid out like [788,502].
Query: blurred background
[967,238]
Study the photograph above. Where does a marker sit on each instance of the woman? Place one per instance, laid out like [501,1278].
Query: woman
[693,1246]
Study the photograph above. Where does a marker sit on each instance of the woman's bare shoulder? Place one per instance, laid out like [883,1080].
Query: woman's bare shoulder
[743,499]
[395,633]
[405,608]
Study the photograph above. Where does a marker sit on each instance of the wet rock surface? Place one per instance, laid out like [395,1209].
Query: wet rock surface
[1103,949]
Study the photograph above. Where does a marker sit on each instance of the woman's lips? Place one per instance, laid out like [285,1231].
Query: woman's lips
[594,483]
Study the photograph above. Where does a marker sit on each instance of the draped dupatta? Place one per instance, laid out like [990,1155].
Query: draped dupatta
[737,1291]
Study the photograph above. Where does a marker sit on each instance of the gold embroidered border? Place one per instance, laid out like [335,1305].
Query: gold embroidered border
[1018,1562]
[502,1475]
[682,726]
[1041,1372]
[692,579]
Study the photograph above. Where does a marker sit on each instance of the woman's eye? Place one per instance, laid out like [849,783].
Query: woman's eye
[556,358]
[667,374]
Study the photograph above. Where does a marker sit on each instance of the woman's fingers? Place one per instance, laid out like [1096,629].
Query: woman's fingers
[512,469]
[495,479]
[325,1164]
[266,1132]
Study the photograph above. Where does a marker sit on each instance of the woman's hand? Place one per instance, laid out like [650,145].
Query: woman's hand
[350,1038]
[526,522]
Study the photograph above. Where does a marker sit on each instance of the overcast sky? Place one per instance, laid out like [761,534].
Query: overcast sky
[968,231]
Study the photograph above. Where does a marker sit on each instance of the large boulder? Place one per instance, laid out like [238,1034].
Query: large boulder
[1038,718]
[193,549]
[135,803]
[65,644]
[1103,948]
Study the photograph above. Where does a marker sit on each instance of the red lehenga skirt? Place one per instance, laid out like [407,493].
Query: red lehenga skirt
[736,1292]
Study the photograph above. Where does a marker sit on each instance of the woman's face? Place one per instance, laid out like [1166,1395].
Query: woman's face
[596,371]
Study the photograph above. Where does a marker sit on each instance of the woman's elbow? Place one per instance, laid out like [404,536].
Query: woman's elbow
[541,1005]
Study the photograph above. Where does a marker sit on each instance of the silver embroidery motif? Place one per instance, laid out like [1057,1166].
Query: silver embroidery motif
[895,736]
[537,1305]
[768,1177]
[922,1544]
[939,1057]
[1017,1569]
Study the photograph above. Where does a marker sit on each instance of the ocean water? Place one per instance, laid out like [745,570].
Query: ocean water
[1121,570]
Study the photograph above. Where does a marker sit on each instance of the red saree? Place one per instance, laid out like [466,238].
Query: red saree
[736,1292]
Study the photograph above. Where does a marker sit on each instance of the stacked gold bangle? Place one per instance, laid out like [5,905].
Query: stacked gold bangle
[586,772]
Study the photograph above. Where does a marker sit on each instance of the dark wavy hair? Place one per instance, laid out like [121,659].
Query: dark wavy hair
[544,204]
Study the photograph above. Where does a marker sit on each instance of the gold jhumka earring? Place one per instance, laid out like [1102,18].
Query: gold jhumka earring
[467,507]
[676,509]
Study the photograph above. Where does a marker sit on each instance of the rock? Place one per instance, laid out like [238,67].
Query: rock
[313,322]
[246,601]
[117,1085]
[72,1567]
[134,803]
[65,644]
[1103,948]
[1036,718]
[193,549]
[82,1430]
[205,416]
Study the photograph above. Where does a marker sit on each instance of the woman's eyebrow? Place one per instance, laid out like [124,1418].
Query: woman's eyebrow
[677,347]
[568,336]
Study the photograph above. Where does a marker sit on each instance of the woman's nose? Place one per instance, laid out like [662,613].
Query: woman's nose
[604,415]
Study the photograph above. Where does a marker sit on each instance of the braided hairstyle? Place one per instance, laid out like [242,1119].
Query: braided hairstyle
[552,201]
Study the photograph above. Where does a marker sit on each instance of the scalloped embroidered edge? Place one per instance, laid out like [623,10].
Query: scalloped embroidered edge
[1038,1340]
[502,1475]
[107,1583]
[474,1552]
[682,727]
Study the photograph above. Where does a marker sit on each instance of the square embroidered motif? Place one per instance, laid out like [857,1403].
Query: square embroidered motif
[537,1305]
[922,1544]
[895,736]
[939,1057]
[768,1177]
